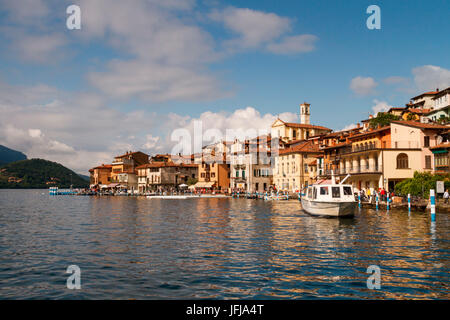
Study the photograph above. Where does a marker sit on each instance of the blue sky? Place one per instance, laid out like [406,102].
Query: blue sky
[160,65]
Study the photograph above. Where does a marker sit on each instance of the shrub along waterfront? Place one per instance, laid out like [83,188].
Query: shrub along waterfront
[420,184]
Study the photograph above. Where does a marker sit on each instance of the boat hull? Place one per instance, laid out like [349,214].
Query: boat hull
[329,209]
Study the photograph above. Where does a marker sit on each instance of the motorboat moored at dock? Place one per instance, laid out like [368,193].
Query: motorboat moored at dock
[330,200]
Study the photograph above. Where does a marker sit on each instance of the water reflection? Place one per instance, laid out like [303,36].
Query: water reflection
[214,248]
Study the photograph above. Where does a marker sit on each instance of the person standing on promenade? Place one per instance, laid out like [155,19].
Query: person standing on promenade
[446,195]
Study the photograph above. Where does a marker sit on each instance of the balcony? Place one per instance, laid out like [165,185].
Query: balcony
[357,170]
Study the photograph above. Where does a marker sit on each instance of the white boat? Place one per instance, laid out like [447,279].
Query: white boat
[331,200]
[169,197]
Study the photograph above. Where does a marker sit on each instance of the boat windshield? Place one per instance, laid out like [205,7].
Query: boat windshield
[348,191]
[323,191]
[336,192]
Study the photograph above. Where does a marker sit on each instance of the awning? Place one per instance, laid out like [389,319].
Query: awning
[183,185]
[204,184]
[103,186]
[112,185]
[439,151]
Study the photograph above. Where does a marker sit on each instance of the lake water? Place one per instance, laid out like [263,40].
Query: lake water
[138,248]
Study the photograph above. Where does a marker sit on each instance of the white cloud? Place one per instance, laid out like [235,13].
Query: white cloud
[363,86]
[155,82]
[38,48]
[35,133]
[241,123]
[395,80]
[151,143]
[253,27]
[25,11]
[429,77]
[380,106]
[348,127]
[261,30]
[294,44]
[169,57]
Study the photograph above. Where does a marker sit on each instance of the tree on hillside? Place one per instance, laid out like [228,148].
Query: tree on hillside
[383,119]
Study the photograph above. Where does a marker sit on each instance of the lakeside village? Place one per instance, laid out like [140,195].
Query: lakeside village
[374,156]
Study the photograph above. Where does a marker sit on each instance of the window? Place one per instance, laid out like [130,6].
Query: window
[347,191]
[427,162]
[441,160]
[213,175]
[402,161]
[237,174]
[335,192]
[315,193]
[323,190]
[426,141]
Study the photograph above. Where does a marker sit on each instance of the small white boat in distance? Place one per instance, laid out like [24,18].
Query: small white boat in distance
[331,200]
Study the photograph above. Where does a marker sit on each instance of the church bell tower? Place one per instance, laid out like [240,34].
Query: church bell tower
[304,113]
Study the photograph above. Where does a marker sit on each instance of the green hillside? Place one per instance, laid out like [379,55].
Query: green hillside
[8,155]
[38,173]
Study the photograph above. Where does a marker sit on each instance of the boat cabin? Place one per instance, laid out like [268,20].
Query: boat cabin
[330,193]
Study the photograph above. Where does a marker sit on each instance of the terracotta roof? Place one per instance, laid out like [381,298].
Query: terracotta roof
[342,144]
[342,132]
[162,164]
[429,93]
[294,141]
[415,104]
[103,166]
[306,126]
[421,125]
[129,153]
[397,108]
[441,93]
[415,110]
[306,147]
[444,145]
[359,135]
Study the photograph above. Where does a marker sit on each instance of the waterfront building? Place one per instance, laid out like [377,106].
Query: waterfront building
[250,165]
[441,107]
[291,166]
[164,176]
[100,175]
[288,132]
[124,173]
[213,167]
[381,157]
[423,100]
[334,142]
